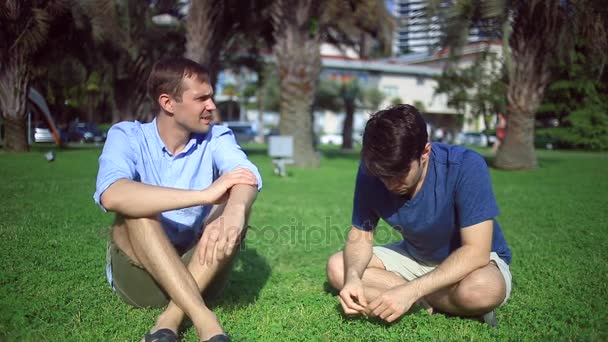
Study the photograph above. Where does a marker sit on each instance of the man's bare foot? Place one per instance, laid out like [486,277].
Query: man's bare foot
[425,305]
[208,326]
[165,321]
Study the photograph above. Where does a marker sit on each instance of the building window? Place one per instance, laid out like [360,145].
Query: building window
[419,81]
[390,90]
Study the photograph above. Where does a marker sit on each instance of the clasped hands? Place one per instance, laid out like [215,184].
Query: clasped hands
[389,305]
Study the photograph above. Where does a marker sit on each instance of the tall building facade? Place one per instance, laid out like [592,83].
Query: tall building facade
[416,31]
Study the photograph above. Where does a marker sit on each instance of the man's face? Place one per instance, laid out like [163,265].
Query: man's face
[195,111]
[405,184]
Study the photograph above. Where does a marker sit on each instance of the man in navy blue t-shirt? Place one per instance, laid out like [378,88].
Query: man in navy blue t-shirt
[453,256]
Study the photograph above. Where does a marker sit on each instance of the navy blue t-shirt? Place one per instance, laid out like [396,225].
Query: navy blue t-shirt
[456,193]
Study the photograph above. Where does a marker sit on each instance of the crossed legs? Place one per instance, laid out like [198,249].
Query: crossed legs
[478,293]
[144,241]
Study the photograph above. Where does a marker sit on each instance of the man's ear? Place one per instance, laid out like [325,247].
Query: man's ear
[426,152]
[166,103]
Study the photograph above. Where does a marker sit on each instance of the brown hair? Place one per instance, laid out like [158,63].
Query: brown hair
[167,75]
[393,138]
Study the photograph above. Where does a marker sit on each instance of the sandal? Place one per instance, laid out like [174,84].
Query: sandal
[219,338]
[161,335]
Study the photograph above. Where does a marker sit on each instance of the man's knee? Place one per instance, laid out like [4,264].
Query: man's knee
[480,292]
[123,228]
[335,270]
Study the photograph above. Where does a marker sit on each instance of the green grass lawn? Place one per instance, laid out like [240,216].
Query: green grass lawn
[53,239]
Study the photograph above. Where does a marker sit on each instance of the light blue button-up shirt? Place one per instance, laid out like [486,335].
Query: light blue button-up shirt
[135,151]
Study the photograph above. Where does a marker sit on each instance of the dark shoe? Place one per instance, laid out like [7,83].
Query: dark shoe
[490,319]
[219,338]
[161,335]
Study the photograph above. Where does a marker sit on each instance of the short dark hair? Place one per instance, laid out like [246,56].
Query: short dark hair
[393,138]
[167,75]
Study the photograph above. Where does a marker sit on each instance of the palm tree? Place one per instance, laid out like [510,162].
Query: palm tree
[24,27]
[297,48]
[211,25]
[296,29]
[350,91]
[299,27]
[534,32]
[142,43]
[24,33]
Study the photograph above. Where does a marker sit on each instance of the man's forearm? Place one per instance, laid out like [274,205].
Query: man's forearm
[135,199]
[241,199]
[357,253]
[456,267]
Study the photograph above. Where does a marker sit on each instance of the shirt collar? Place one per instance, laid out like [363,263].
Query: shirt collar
[153,131]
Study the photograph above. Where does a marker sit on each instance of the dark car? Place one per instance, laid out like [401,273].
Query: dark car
[85,132]
[243,131]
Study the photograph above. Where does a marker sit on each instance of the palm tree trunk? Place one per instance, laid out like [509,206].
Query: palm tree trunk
[347,130]
[15,138]
[14,83]
[533,42]
[516,152]
[528,80]
[296,116]
[206,34]
[260,117]
[299,61]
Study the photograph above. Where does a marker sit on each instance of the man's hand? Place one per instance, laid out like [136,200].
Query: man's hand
[217,192]
[393,303]
[220,238]
[352,297]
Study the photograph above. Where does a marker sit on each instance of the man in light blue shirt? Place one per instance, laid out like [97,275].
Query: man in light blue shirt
[182,190]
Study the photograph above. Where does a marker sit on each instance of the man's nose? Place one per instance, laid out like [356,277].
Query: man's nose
[211,105]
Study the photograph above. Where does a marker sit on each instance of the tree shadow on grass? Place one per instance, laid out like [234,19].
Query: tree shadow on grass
[543,162]
[256,151]
[44,148]
[353,155]
[248,277]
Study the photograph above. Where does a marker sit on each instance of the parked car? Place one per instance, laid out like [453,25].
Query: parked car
[43,134]
[331,139]
[85,132]
[243,131]
[472,139]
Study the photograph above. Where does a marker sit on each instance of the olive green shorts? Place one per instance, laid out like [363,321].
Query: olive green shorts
[135,286]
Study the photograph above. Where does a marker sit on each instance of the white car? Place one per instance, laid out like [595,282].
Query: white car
[472,139]
[331,139]
[43,135]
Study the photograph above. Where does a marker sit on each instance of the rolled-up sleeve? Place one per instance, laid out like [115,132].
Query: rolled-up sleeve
[117,160]
[228,155]
[364,217]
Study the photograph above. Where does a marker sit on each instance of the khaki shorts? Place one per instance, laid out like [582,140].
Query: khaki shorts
[397,261]
[136,287]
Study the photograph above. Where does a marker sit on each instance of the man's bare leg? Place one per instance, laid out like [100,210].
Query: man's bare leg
[203,275]
[172,317]
[478,293]
[145,243]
